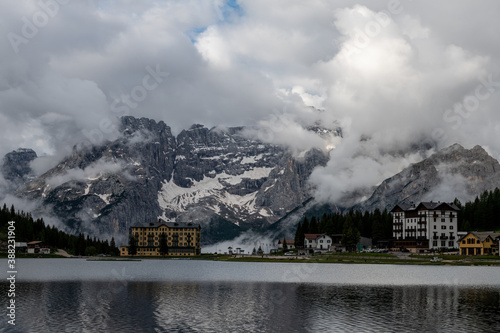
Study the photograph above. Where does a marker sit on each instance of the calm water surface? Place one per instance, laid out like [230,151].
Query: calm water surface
[74,295]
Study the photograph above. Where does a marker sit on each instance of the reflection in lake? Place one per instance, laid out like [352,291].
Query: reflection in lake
[251,307]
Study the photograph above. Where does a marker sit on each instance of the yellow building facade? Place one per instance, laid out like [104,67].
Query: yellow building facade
[479,243]
[182,239]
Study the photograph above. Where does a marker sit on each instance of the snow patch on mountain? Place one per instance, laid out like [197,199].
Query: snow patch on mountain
[176,198]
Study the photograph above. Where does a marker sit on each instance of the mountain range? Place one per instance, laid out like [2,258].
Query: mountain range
[219,177]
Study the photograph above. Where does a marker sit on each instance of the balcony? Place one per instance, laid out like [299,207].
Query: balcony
[452,237]
[422,230]
[443,237]
[435,237]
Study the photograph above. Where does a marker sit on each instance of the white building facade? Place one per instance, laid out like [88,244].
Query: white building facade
[428,225]
[318,242]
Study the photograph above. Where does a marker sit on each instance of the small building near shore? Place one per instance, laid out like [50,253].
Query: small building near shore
[321,242]
[290,243]
[38,247]
[21,247]
[479,243]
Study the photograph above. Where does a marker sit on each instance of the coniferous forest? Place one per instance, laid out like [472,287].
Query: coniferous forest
[482,214]
[28,229]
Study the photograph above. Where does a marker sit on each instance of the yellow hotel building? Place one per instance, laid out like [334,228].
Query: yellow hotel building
[479,243]
[183,239]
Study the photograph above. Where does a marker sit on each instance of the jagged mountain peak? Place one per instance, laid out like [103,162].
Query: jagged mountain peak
[456,147]
[16,165]
[130,126]
[451,172]
[201,175]
[197,127]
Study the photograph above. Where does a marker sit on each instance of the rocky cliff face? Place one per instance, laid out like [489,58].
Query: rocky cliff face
[210,176]
[449,173]
[103,190]
[16,166]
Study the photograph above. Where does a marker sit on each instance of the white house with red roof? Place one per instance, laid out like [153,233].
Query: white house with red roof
[321,242]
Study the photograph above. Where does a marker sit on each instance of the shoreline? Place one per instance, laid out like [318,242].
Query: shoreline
[353,258]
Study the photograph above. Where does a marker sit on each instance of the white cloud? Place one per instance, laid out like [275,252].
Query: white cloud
[387,77]
[94,171]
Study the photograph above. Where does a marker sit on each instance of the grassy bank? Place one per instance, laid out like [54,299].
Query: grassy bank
[337,258]
[31,255]
[370,258]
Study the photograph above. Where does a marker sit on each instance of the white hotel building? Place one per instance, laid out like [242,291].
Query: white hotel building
[428,225]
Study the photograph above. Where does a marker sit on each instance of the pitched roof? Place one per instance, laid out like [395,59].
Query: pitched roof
[168,224]
[428,205]
[311,236]
[403,206]
[482,235]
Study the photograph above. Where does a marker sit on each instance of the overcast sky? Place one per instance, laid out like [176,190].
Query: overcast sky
[392,74]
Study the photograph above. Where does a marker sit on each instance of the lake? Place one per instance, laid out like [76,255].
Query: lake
[75,295]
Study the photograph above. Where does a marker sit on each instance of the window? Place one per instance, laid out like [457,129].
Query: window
[451,227]
[443,227]
[435,243]
[443,243]
[434,226]
[450,244]
[442,220]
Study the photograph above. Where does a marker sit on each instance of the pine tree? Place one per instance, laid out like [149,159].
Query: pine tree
[132,246]
[305,226]
[299,238]
[112,247]
[466,226]
[350,233]
[313,226]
